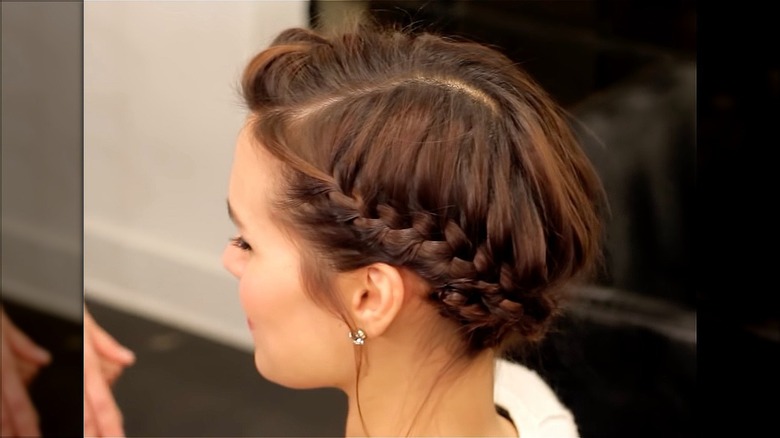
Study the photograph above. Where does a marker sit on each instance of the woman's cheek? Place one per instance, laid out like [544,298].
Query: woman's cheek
[251,289]
[245,292]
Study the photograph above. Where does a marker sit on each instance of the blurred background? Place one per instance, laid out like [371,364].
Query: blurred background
[160,114]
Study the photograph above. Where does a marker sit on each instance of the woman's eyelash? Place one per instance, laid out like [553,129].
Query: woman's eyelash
[240,243]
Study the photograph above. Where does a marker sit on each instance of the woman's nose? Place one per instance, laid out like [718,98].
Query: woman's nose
[229,260]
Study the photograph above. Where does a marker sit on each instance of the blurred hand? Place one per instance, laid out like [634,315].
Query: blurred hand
[104,361]
[22,359]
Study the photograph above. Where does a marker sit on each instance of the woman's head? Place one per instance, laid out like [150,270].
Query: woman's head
[440,160]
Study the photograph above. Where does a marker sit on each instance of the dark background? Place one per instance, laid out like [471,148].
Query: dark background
[681,104]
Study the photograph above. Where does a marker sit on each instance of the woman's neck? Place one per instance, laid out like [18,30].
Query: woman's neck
[397,398]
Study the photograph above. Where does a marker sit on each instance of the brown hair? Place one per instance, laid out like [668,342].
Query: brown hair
[437,156]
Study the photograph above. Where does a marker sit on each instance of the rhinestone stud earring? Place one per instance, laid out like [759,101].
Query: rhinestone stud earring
[358,337]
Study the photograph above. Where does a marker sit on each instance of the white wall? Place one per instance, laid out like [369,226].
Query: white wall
[161,112]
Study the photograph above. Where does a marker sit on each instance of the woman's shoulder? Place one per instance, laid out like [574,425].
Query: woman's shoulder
[531,403]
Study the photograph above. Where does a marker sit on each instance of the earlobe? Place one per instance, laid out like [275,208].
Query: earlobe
[380,300]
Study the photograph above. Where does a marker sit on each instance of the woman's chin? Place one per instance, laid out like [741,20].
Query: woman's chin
[285,376]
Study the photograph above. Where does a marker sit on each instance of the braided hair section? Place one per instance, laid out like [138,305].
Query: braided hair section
[439,156]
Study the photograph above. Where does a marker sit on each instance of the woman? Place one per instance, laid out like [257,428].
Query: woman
[408,207]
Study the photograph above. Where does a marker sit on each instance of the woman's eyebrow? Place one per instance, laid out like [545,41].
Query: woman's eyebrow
[232,215]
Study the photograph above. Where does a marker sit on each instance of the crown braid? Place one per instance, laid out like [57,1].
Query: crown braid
[438,156]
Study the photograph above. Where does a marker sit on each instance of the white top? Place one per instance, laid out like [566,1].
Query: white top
[531,403]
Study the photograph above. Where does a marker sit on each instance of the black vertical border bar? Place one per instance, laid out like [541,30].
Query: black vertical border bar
[738,111]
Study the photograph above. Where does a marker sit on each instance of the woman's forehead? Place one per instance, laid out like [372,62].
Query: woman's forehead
[251,160]
[253,177]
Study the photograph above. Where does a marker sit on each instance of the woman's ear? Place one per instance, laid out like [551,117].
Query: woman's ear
[377,298]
